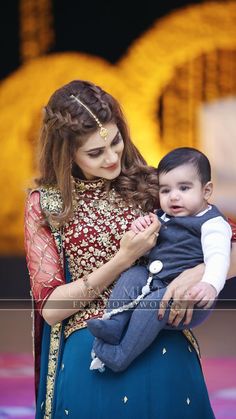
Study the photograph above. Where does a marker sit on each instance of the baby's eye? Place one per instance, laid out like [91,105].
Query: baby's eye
[184,188]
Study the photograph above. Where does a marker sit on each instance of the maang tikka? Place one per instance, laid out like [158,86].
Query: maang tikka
[103,131]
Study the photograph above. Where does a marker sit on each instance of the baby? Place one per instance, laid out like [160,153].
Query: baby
[192,231]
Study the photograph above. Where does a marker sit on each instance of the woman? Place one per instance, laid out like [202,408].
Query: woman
[93,183]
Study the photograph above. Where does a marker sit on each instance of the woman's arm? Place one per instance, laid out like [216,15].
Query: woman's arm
[232,268]
[132,247]
[42,257]
[60,299]
[179,288]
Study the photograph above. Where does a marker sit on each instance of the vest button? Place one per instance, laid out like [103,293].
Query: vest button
[155,267]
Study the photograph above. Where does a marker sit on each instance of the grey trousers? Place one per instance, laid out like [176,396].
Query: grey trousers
[125,335]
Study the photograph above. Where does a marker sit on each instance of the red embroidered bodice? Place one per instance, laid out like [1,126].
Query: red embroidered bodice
[89,239]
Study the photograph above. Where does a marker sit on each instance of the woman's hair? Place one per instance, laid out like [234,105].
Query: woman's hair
[186,155]
[67,125]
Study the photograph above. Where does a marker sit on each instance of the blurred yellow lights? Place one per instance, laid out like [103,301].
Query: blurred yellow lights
[184,59]
[36,28]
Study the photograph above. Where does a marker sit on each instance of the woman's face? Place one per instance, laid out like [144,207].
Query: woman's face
[99,157]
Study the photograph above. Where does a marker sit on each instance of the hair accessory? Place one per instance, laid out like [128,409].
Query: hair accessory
[103,131]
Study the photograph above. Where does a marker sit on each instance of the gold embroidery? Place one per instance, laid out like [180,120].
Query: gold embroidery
[191,338]
[52,364]
[51,201]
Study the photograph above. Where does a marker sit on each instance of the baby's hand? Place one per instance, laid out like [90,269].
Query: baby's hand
[143,222]
[203,294]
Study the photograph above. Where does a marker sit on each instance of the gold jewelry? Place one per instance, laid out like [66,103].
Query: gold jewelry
[86,283]
[176,310]
[88,286]
[103,131]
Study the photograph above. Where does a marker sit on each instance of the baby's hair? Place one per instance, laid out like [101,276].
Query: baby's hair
[186,155]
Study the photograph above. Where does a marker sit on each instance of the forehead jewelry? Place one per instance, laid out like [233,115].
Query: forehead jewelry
[103,131]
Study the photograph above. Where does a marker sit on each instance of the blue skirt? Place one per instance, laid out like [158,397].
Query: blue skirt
[165,382]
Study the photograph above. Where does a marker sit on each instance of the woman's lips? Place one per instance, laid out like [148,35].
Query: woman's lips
[112,167]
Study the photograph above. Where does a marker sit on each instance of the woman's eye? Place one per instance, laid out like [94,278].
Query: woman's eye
[95,154]
[117,139]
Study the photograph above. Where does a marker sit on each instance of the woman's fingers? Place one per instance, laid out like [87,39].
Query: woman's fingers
[188,315]
[154,226]
[208,304]
[202,303]
[177,313]
[187,306]
[181,307]
[134,228]
[164,303]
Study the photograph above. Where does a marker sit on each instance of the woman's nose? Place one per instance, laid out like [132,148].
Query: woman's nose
[111,157]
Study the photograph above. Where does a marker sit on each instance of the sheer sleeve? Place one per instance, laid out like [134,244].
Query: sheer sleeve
[42,256]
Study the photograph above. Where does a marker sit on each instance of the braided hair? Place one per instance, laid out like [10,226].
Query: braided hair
[66,127]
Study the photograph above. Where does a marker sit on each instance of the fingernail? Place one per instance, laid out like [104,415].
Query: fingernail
[160,317]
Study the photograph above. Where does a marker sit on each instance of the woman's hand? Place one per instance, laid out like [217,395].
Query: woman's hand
[134,245]
[178,293]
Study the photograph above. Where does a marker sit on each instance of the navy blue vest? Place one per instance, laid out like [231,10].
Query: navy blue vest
[179,243]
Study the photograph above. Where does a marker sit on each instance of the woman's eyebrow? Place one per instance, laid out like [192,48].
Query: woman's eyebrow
[101,148]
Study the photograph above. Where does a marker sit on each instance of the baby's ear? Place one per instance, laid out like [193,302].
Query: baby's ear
[208,189]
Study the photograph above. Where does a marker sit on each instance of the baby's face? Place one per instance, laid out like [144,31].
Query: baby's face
[181,192]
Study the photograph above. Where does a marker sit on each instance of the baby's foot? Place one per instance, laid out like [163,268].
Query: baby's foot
[107,330]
